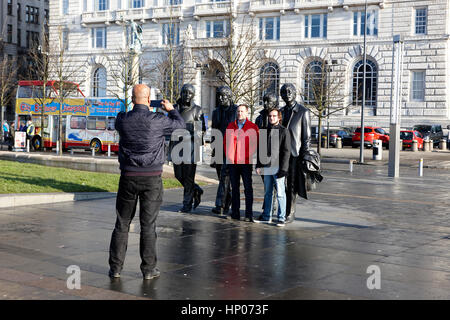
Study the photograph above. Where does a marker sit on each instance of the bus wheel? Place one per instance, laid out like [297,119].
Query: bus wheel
[36,143]
[96,145]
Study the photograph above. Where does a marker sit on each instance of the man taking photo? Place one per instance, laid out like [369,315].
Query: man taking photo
[141,158]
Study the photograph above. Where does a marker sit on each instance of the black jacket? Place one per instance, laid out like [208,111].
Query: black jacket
[281,159]
[262,120]
[298,121]
[141,144]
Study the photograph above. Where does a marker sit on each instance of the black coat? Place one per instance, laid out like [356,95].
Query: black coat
[281,159]
[298,121]
[262,120]
[141,144]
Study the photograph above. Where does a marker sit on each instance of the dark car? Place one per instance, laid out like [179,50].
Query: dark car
[432,132]
[344,134]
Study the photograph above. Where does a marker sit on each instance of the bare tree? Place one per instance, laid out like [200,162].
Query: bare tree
[323,93]
[167,73]
[241,56]
[39,56]
[126,71]
[7,85]
[63,70]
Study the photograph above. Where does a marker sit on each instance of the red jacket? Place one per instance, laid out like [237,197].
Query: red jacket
[241,144]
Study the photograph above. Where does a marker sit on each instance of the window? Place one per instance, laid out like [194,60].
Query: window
[270,79]
[96,123]
[10,7]
[217,28]
[371,83]
[78,122]
[19,13]
[379,131]
[46,15]
[418,86]
[136,3]
[359,23]
[314,82]
[421,21]
[99,82]
[269,28]
[65,6]
[173,2]
[316,26]
[101,5]
[31,14]
[9,33]
[111,123]
[170,33]
[98,37]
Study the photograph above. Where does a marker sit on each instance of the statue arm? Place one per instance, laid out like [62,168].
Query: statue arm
[306,132]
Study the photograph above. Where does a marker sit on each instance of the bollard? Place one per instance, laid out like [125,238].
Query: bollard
[443,144]
[421,167]
[324,142]
[109,150]
[402,147]
[339,143]
[93,152]
[431,145]
[28,145]
[351,165]
[426,145]
[201,154]
[377,150]
[414,146]
[71,151]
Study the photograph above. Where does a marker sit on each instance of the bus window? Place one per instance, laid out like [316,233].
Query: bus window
[111,123]
[100,123]
[25,92]
[91,123]
[78,122]
[37,121]
[96,123]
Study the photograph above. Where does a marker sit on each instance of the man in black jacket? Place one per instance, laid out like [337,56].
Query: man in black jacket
[275,166]
[141,158]
[297,120]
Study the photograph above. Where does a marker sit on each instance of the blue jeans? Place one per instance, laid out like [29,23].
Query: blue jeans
[269,181]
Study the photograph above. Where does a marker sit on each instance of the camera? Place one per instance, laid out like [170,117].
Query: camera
[156,104]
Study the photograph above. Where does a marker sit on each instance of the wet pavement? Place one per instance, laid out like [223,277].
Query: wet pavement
[351,222]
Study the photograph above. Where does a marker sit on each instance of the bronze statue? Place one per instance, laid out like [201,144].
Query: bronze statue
[192,115]
[224,113]
[297,119]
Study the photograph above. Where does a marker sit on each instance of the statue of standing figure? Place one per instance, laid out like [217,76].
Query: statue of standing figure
[224,113]
[192,115]
[136,38]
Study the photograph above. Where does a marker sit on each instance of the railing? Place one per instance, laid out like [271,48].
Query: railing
[167,12]
[138,13]
[214,8]
[269,5]
[96,16]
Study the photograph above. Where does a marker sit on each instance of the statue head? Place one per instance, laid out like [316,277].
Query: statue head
[269,101]
[224,96]
[187,93]
[288,93]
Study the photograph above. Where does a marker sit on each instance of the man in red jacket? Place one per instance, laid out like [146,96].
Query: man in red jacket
[241,143]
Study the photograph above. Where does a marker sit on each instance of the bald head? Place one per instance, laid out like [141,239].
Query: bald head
[141,94]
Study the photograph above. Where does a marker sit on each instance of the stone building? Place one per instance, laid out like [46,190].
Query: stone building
[298,39]
[21,23]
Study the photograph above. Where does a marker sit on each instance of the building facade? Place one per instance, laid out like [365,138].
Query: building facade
[21,23]
[298,39]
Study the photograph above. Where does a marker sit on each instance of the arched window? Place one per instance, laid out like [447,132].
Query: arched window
[269,79]
[99,82]
[371,83]
[315,82]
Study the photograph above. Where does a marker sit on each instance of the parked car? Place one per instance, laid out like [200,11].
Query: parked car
[409,135]
[370,134]
[344,134]
[430,131]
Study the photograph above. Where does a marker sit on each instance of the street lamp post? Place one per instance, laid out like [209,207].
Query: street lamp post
[361,147]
